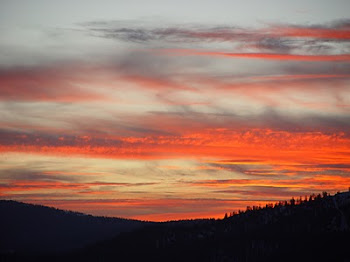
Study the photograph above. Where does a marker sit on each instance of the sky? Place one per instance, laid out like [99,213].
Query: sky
[161,110]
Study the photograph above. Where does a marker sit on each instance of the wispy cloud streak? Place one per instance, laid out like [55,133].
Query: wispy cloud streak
[266,56]
[274,37]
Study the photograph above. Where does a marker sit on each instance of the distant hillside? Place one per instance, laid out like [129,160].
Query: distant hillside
[316,229]
[34,228]
[313,229]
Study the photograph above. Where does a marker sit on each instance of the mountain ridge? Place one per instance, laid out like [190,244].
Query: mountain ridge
[313,229]
[36,228]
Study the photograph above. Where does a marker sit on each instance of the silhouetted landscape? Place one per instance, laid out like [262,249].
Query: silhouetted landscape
[33,229]
[314,228]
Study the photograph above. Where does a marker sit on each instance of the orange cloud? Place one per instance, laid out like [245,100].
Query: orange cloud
[23,186]
[29,185]
[265,144]
[317,182]
[338,33]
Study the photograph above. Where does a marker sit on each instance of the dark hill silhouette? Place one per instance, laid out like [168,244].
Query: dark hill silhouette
[313,230]
[34,228]
[316,229]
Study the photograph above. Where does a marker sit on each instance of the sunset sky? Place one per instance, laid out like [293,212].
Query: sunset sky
[163,110]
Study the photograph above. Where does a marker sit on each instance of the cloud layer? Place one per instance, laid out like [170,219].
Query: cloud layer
[175,121]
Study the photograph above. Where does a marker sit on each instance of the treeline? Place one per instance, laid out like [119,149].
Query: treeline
[313,228]
[292,202]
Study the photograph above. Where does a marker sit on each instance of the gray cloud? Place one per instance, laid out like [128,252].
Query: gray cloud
[275,38]
[28,174]
[270,118]
[10,137]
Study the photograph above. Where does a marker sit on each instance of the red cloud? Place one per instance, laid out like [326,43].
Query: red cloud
[338,33]
[47,84]
[264,144]
[317,182]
